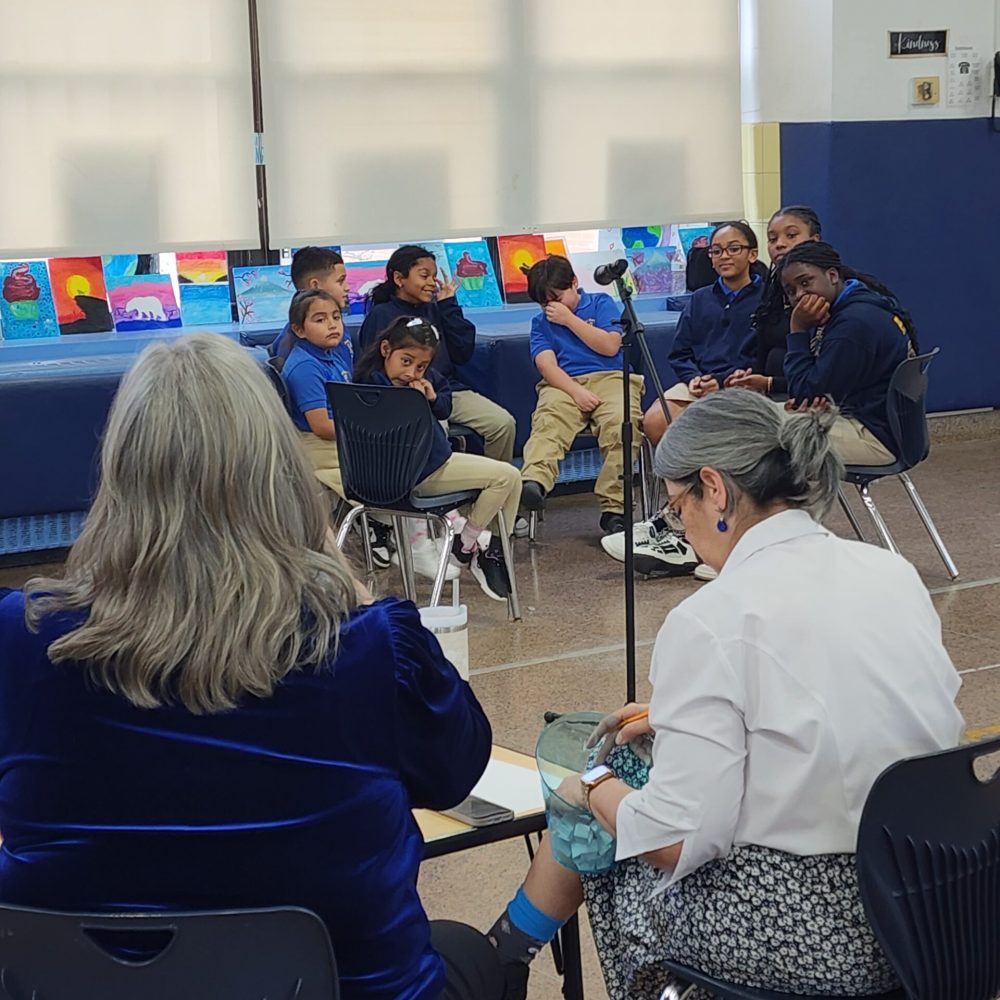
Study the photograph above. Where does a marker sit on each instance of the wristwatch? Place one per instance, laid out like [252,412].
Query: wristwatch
[594,777]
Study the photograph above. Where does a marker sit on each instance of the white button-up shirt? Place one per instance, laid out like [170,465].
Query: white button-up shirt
[782,690]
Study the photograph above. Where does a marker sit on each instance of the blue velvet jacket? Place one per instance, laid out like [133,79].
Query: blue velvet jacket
[302,798]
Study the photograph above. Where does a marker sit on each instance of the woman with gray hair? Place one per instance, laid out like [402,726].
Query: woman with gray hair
[206,711]
[780,691]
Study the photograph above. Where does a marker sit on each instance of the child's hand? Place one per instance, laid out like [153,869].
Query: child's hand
[702,385]
[817,404]
[556,312]
[447,288]
[424,386]
[737,375]
[747,380]
[811,311]
[585,399]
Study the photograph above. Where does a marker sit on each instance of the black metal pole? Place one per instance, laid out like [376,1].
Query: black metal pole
[633,332]
[258,127]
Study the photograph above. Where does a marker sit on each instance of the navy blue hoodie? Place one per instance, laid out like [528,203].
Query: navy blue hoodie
[715,335]
[458,335]
[441,408]
[864,340]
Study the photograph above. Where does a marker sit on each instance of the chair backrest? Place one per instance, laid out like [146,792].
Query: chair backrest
[233,955]
[384,436]
[272,369]
[906,408]
[929,870]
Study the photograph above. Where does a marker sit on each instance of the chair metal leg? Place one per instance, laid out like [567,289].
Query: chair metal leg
[513,604]
[345,526]
[366,543]
[846,508]
[443,563]
[876,515]
[644,484]
[532,524]
[405,557]
[929,524]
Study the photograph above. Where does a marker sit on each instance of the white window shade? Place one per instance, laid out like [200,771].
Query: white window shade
[394,121]
[126,125]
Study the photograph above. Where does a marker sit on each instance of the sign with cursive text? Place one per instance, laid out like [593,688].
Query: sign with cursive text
[917,44]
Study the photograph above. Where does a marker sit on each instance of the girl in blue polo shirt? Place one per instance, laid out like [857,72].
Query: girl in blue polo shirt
[715,334]
[847,335]
[577,350]
[401,355]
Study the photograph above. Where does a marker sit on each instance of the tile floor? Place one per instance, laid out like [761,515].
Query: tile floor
[568,651]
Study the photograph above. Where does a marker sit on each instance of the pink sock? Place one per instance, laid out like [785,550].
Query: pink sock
[470,537]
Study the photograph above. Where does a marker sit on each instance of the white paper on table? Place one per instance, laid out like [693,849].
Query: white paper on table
[511,786]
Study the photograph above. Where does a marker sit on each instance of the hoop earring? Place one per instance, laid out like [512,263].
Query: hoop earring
[721,524]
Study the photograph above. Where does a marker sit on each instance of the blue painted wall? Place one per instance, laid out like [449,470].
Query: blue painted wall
[916,203]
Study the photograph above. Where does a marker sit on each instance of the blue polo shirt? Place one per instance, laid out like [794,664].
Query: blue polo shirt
[572,354]
[307,370]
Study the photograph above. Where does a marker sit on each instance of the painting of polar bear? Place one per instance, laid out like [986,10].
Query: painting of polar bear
[143,302]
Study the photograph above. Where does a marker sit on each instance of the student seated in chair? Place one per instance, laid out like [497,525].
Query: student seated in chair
[401,355]
[577,350]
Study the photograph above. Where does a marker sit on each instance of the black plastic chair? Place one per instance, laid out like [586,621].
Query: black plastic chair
[906,409]
[272,369]
[231,955]
[384,436]
[929,871]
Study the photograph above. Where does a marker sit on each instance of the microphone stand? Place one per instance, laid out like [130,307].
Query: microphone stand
[633,332]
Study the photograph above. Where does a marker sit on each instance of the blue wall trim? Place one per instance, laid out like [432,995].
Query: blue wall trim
[916,203]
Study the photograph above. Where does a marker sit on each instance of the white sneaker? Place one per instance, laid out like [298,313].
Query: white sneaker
[705,572]
[427,558]
[664,553]
[614,544]
[521,527]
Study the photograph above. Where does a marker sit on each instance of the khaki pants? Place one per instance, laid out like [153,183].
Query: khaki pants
[499,482]
[495,425]
[557,420]
[325,461]
[856,445]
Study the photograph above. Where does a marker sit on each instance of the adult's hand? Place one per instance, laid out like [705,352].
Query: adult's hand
[611,730]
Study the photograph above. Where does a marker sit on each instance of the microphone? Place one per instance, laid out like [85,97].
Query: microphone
[607,274]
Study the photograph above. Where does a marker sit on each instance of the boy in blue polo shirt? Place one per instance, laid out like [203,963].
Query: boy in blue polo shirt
[577,351]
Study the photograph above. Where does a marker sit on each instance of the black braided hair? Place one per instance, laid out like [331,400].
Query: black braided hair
[772,301]
[825,257]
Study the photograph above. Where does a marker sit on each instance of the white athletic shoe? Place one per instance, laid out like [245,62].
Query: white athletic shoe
[614,544]
[705,572]
[521,527]
[427,558]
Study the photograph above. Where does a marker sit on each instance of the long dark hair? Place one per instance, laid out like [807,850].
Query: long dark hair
[772,301]
[826,258]
[404,331]
[402,262]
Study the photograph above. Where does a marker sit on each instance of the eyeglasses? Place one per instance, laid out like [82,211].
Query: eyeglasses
[732,250]
[673,508]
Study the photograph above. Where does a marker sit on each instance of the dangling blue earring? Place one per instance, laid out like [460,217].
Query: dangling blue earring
[721,524]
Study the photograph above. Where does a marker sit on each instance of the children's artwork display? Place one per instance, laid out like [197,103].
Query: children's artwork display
[694,236]
[653,270]
[26,306]
[202,304]
[472,268]
[556,246]
[263,294]
[143,302]
[634,237]
[120,264]
[516,252]
[203,267]
[362,277]
[80,295]
[584,265]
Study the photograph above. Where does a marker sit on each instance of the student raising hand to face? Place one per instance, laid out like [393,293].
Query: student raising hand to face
[424,386]
[446,288]
[810,312]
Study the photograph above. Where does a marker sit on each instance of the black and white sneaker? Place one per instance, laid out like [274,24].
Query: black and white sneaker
[490,570]
[381,541]
[657,550]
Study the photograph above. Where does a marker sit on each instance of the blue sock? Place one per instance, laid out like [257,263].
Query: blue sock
[522,930]
[530,920]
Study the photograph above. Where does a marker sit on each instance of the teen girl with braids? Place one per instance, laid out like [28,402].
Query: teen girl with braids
[788,228]
[847,334]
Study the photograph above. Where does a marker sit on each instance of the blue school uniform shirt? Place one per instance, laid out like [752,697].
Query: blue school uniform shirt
[574,357]
[440,408]
[302,798]
[306,371]
[715,334]
[458,334]
[863,342]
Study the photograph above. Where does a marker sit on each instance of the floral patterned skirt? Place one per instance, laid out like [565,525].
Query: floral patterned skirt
[758,917]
